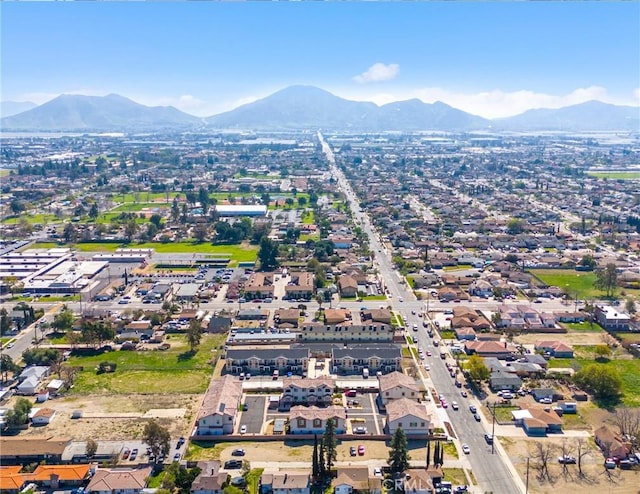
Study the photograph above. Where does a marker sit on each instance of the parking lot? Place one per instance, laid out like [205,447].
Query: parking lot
[253,416]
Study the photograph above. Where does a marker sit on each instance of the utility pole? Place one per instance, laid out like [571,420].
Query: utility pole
[526,491]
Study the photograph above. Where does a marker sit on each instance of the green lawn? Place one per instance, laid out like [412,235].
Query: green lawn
[135,207]
[149,372]
[582,327]
[455,475]
[253,478]
[4,172]
[33,219]
[307,217]
[239,253]
[206,451]
[375,297]
[616,175]
[576,283]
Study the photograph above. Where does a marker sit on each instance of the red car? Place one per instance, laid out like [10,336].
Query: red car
[361,450]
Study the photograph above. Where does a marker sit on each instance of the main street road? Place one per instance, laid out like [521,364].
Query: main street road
[494,472]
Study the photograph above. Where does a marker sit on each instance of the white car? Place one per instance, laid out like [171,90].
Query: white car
[466,449]
[427,367]
[377,472]
[243,429]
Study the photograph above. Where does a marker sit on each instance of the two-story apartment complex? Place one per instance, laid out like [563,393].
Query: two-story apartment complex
[357,333]
[354,359]
[301,286]
[306,391]
[397,385]
[266,360]
[219,408]
[313,420]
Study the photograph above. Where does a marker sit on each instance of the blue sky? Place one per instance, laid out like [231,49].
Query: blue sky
[489,58]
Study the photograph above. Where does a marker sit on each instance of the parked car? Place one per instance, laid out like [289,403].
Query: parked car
[610,463]
[466,449]
[473,409]
[238,452]
[567,460]
[377,472]
[360,430]
[353,451]
[361,450]
[454,405]
[488,438]
[477,417]
[243,429]
[232,464]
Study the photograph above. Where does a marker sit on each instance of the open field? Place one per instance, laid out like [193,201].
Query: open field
[152,371]
[240,253]
[576,283]
[596,479]
[583,327]
[616,175]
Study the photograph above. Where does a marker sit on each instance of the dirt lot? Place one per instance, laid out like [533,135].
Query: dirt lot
[117,417]
[596,479]
[571,338]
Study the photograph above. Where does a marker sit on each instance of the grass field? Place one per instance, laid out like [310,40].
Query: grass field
[239,253]
[149,372]
[307,217]
[4,172]
[616,175]
[576,283]
[129,207]
[583,327]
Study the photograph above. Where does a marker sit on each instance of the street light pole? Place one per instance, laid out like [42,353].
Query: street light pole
[493,428]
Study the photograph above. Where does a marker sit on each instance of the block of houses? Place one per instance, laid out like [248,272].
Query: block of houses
[313,420]
[557,349]
[610,442]
[11,480]
[295,482]
[119,480]
[301,285]
[42,416]
[347,286]
[23,450]
[408,415]
[306,391]
[219,410]
[266,360]
[346,333]
[351,480]
[210,480]
[396,385]
[354,359]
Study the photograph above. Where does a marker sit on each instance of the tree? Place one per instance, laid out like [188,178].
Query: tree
[541,455]
[630,306]
[398,456]
[515,226]
[194,334]
[19,414]
[41,356]
[92,447]
[315,462]
[602,380]
[267,254]
[602,351]
[156,220]
[428,453]
[588,261]
[477,369]
[157,438]
[7,365]
[130,230]
[582,450]
[94,212]
[62,321]
[330,443]
[607,279]
[70,233]
[200,232]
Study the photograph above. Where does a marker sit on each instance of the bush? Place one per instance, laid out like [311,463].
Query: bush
[106,367]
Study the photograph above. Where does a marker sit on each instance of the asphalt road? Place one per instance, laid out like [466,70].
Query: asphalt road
[491,470]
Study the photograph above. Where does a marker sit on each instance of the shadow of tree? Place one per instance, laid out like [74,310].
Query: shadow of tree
[186,356]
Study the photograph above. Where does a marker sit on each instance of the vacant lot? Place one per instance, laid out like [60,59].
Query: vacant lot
[150,371]
[616,175]
[596,479]
[240,253]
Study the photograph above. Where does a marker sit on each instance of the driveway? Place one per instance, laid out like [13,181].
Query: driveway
[254,415]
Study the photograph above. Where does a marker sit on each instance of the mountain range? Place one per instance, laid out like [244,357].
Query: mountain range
[308,107]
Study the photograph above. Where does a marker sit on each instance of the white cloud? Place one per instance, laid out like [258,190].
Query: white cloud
[498,103]
[378,72]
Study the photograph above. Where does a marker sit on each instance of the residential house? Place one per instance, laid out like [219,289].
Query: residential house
[219,324]
[538,421]
[542,393]
[465,334]
[119,480]
[557,349]
[11,480]
[306,391]
[500,379]
[348,286]
[481,288]
[60,476]
[489,349]
[611,318]
[376,315]
[408,415]
[290,317]
[336,316]
[422,480]
[266,360]
[210,480]
[219,409]
[313,420]
[397,385]
[285,483]
[28,386]
[356,480]
[610,442]
[301,286]
[354,359]
[42,416]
